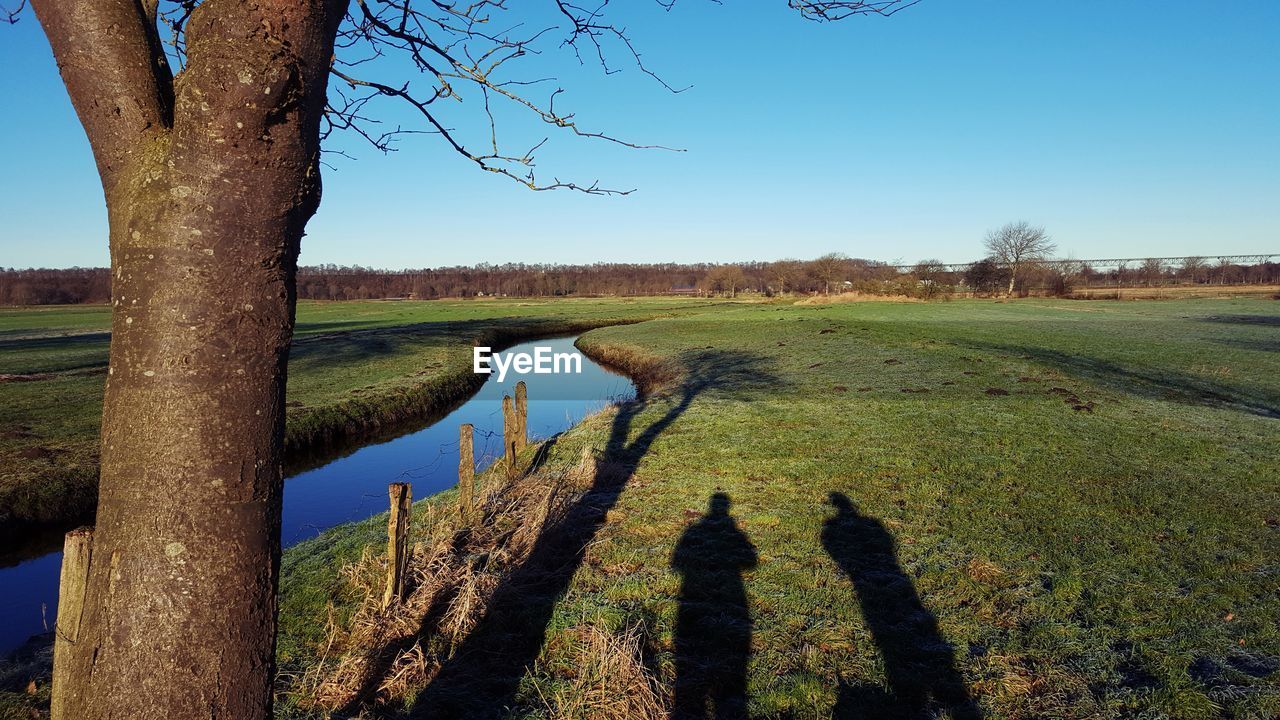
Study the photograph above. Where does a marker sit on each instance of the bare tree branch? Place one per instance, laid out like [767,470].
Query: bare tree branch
[11,16]
[492,162]
[467,52]
[461,52]
[830,11]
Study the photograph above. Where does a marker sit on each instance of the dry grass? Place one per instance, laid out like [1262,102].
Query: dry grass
[380,658]
[612,679]
[649,373]
[983,571]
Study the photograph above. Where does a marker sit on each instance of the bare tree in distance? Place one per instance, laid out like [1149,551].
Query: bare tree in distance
[1194,268]
[1152,270]
[829,268]
[930,273]
[727,279]
[985,275]
[1225,270]
[1017,244]
[206,120]
[783,273]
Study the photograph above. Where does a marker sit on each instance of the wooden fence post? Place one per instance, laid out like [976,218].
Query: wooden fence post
[509,434]
[401,495]
[77,551]
[522,416]
[466,471]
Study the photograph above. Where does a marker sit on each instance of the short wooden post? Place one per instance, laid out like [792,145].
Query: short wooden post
[77,551]
[466,471]
[509,434]
[522,416]
[401,495]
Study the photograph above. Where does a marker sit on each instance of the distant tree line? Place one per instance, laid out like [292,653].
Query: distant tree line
[1065,277]
[55,287]
[830,274]
[331,282]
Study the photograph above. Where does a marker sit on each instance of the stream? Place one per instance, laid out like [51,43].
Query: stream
[354,486]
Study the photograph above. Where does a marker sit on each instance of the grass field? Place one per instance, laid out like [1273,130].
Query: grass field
[1007,510]
[354,366]
[969,509]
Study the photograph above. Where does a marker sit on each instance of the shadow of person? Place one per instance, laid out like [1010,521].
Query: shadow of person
[713,624]
[920,674]
[482,677]
[1158,383]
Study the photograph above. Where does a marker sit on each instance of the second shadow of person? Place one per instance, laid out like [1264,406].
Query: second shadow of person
[713,623]
[920,674]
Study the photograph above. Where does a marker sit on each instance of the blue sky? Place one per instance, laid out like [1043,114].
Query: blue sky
[1127,129]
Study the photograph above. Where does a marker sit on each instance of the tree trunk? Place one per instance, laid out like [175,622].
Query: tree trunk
[209,180]
[182,589]
[1013,275]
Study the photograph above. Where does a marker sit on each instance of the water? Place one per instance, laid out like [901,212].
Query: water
[355,486]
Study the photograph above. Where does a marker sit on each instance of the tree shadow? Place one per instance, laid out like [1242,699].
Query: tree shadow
[1259,340]
[919,669]
[72,352]
[713,622]
[1266,320]
[482,678]
[69,342]
[1155,383]
[1255,345]
[304,329]
[344,343]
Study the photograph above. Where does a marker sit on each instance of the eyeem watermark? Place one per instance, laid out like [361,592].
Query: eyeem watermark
[542,361]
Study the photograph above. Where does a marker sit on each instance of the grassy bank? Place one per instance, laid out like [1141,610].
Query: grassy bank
[1013,510]
[356,367]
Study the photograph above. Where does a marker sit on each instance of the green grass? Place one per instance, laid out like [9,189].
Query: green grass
[1056,509]
[355,367]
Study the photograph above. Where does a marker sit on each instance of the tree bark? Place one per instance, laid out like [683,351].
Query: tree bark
[209,180]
